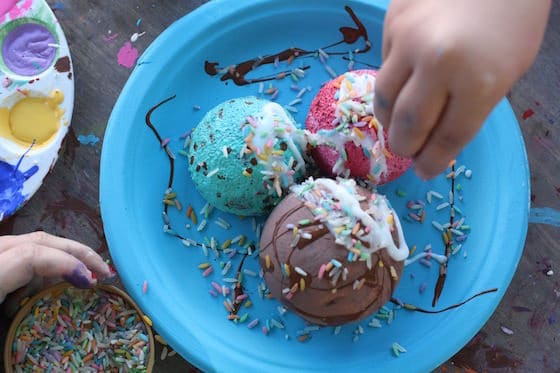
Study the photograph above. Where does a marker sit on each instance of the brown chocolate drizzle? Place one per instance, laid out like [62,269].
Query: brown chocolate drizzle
[315,235]
[412,307]
[238,289]
[171,165]
[448,245]
[154,130]
[238,72]
[62,65]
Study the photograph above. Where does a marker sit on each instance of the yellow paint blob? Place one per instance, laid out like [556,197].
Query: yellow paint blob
[32,119]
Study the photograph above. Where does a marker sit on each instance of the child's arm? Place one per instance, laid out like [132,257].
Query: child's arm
[447,63]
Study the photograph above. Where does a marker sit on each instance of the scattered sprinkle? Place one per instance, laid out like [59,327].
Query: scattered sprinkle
[135,36]
[507,331]
[400,193]
[207,271]
[147,320]
[331,71]
[160,339]
[397,349]
[374,323]
[164,352]
[253,323]
[202,225]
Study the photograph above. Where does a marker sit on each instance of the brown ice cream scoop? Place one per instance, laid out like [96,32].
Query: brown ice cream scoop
[327,271]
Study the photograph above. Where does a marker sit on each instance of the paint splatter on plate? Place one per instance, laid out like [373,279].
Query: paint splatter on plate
[36,98]
[196,59]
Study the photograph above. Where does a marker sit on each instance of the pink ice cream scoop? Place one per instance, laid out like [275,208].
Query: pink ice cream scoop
[347,133]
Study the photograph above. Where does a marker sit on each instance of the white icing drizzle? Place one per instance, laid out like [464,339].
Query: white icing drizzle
[337,205]
[267,130]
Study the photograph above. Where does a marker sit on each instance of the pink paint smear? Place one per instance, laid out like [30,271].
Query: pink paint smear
[9,7]
[127,55]
[110,37]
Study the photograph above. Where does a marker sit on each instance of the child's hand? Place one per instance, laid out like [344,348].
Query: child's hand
[41,254]
[446,65]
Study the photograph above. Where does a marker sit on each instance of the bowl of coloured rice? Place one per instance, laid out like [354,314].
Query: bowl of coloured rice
[63,328]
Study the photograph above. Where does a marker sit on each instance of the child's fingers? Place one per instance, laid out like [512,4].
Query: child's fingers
[395,9]
[84,253]
[416,112]
[385,45]
[390,79]
[458,125]
[22,262]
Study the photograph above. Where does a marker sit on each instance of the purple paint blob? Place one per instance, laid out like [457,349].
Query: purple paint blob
[79,277]
[26,49]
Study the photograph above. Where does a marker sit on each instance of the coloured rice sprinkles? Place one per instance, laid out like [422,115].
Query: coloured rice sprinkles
[64,329]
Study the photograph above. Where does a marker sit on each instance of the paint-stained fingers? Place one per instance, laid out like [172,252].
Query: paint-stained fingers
[390,79]
[21,263]
[395,8]
[82,252]
[461,120]
[386,39]
[385,46]
[416,112]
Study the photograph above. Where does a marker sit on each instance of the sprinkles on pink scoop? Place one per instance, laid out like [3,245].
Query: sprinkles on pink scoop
[354,118]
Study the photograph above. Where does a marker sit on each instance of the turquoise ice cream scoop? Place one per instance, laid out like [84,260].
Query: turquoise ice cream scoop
[245,154]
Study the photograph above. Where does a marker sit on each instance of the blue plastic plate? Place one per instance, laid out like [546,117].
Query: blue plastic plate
[135,172]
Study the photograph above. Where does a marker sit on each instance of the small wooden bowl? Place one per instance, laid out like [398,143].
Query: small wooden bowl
[56,290]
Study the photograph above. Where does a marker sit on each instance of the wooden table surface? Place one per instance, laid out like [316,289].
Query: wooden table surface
[68,202]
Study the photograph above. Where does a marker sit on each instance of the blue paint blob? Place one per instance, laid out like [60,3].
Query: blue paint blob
[11,187]
[545,215]
[88,139]
[57,6]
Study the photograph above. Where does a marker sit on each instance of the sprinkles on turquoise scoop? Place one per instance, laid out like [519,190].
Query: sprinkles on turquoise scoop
[81,330]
